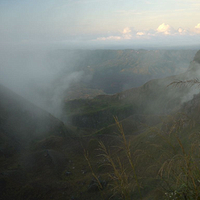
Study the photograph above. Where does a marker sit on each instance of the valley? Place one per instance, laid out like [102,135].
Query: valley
[127,128]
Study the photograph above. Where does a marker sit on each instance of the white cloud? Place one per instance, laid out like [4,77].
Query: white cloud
[140,33]
[165,29]
[109,38]
[126,30]
[126,33]
[180,30]
[197,28]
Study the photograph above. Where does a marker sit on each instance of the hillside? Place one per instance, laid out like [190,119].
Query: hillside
[29,137]
[48,78]
[120,69]
[40,157]
[25,121]
[156,97]
[154,155]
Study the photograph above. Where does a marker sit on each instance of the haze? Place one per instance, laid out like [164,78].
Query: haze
[99,23]
[30,29]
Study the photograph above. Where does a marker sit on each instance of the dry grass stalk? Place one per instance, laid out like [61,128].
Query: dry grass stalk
[90,166]
[128,152]
[182,167]
[186,83]
[120,178]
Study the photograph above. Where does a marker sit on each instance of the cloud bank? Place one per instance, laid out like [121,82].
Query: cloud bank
[163,31]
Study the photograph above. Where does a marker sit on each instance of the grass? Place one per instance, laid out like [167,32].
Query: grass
[96,113]
[85,106]
[123,180]
[161,163]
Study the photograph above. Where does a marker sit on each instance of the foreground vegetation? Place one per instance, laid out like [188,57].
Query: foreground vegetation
[162,163]
[143,155]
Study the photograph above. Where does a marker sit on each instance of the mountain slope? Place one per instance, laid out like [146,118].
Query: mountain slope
[33,150]
[121,69]
[156,97]
[40,161]
[23,120]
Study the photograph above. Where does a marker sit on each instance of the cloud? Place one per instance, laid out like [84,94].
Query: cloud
[197,28]
[109,38]
[140,33]
[165,29]
[127,30]
[182,31]
[125,35]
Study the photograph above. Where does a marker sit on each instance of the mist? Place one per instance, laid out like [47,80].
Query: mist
[43,75]
[38,77]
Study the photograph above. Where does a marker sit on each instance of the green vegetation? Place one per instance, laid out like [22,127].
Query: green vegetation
[162,162]
[96,113]
[112,71]
[142,154]
[157,164]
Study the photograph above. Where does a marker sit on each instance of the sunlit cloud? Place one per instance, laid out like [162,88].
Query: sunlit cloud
[109,38]
[182,31]
[197,28]
[165,29]
[140,33]
[125,35]
[126,30]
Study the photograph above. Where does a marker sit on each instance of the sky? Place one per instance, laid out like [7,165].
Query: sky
[87,23]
